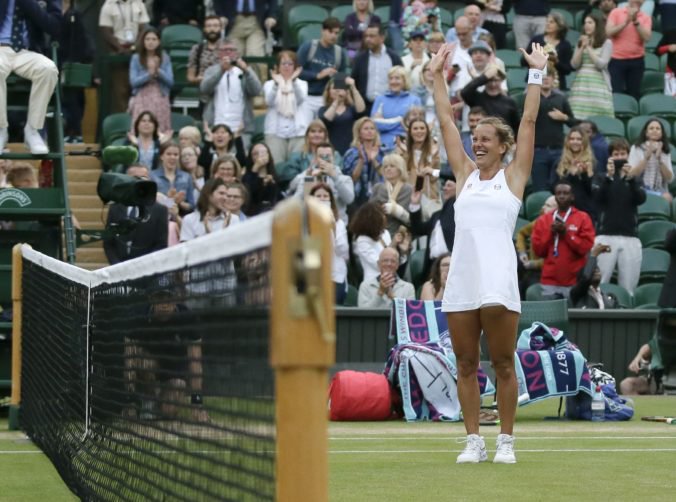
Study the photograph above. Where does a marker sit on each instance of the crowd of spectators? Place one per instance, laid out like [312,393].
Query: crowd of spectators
[349,119]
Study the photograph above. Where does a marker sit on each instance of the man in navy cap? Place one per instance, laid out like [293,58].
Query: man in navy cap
[22,29]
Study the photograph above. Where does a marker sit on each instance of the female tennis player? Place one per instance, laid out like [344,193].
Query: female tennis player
[482,291]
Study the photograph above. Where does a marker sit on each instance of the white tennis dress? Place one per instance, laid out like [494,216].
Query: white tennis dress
[483,263]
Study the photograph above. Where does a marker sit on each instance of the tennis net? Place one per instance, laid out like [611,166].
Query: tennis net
[151,380]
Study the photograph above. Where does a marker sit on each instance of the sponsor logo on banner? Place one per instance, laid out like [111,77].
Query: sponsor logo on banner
[12,194]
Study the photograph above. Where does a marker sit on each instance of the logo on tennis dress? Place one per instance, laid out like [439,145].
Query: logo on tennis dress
[469,186]
[497,187]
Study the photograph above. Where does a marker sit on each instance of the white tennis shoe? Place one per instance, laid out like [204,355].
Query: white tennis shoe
[474,452]
[504,453]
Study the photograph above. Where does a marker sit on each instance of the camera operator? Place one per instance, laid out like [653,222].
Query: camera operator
[641,366]
[134,231]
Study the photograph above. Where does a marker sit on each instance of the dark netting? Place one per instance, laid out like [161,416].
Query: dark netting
[53,369]
[181,394]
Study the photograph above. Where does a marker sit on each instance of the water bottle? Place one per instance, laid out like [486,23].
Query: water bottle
[598,406]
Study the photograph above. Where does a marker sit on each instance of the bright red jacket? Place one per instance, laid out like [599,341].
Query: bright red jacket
[573,247]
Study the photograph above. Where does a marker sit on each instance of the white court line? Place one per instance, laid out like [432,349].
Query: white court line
[518,450]
[445,452]
[519,438]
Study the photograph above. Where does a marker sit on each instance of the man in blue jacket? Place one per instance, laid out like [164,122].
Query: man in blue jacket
[22,28]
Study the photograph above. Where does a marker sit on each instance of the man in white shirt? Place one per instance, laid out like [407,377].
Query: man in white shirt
[229,87]
[379,291]
[460,58]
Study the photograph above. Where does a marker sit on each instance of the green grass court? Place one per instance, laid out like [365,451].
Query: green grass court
[392,461]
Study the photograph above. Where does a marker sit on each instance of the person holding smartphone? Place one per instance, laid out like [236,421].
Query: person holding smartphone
[618,197]
[323,170]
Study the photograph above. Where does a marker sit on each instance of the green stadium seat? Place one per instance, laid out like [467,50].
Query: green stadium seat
[673,132]
[654,208]
[635,125]
[609,126]
[460,11]
[516,79]
[416,263]
[304,14]
[654,266]
[673,210]
[567,17]
[352,297]
[652,62]
[573,36]
[658,104]
[534,292]
[383,13]
[663,63]
[179,120]
[625,106]
[341,12]
[652,81]
[623,297]
[553,313]
[309,32]
[520,223]
[115,126]
[258,135]
[180,36]
[447,18]
[512,59]
[534,203]
[647,294]
[653,233]
[651,44]
[510,40]
[579,20]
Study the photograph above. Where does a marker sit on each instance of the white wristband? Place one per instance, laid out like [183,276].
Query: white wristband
[535,76]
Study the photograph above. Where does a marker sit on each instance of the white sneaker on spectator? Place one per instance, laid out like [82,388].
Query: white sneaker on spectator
[34,141]
[4,136]
[504,453]
[474,452]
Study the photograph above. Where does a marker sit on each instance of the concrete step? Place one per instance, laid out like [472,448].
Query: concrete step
[93,266]
[76,188]
[82,175]
[90,214]
[85,201]
[92,253]
[83,162]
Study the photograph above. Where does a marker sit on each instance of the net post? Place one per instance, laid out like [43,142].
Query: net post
[17,271]
[302,347]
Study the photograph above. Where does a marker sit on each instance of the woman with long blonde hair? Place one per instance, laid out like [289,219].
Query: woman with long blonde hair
[363,159]
[577,167]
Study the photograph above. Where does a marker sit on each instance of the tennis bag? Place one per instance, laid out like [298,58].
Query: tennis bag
[578,407]
[357,395]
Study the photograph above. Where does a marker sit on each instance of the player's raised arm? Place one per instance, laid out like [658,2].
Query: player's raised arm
[460,163]
[519,170]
